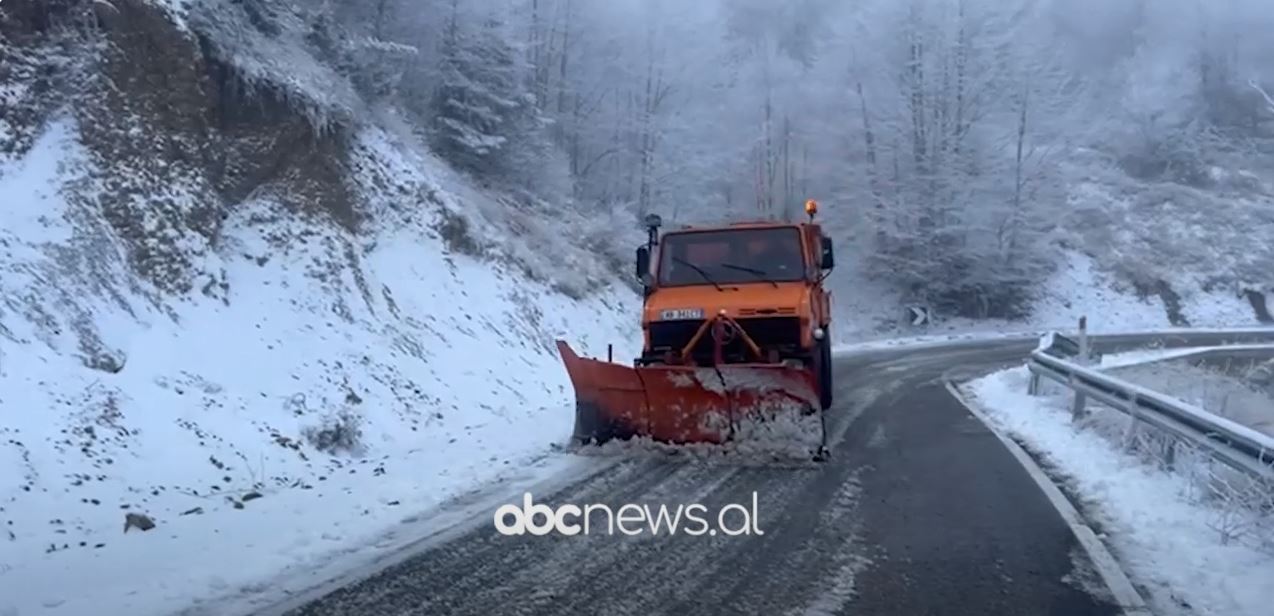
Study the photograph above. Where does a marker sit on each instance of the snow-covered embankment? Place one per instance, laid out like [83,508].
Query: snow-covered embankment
[317,390]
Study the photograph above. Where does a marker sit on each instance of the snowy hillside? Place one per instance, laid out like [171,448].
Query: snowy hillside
[319,356]
[222,324]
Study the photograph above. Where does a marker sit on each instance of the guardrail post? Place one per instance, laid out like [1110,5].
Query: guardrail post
[1079,404]
[1033,387]
[1134,421]
[1084,354]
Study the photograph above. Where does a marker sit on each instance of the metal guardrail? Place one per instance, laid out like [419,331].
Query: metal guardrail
[1059,346]
[1234,444]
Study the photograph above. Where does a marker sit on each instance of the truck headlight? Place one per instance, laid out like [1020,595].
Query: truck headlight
[819,333]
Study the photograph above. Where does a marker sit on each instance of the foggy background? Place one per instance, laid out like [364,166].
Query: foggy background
[955,145]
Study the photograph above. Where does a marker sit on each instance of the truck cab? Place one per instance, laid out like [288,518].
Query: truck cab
[765,276]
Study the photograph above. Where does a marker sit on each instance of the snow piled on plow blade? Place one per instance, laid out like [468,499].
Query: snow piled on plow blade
[763,411]
[771,406]
[742,408]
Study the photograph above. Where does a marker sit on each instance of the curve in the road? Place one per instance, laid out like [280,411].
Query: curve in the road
[921,510]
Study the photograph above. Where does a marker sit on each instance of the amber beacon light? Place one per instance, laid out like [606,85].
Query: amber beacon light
[811,208]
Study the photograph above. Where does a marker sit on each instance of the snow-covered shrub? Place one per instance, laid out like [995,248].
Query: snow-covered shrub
[613,234]
[1167,153]
[457,233]
[375,66]
[339,433]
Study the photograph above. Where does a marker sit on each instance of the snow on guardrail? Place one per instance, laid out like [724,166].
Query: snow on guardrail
[1239,446]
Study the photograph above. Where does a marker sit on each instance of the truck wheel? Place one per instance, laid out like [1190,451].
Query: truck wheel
[825,372]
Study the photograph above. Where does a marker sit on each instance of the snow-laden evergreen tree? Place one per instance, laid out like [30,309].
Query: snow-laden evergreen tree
[485,115]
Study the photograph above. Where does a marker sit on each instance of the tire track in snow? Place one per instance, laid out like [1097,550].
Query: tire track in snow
[838,588]
[456,573]
[549,580]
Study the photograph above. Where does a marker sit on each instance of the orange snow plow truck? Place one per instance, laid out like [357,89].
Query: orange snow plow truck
[737,346]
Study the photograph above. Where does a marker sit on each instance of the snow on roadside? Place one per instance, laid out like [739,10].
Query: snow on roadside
[1164,539]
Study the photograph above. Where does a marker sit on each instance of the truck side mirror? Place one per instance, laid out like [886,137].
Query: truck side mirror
[643,263]
[829,255]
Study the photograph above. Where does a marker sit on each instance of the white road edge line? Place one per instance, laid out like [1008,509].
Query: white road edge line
[1112,574]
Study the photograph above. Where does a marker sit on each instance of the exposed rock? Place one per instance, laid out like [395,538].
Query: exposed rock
[139,521]
[1259,305]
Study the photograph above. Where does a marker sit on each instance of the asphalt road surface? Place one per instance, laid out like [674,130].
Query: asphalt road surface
[920,510]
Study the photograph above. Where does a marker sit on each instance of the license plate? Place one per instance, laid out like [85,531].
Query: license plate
[681,314]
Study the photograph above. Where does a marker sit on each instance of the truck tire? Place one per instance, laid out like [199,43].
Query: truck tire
[825,372]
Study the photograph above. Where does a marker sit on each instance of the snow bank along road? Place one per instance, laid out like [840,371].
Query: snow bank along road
[921,510]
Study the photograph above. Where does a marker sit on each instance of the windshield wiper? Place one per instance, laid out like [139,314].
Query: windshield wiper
[762,275]
[699,270]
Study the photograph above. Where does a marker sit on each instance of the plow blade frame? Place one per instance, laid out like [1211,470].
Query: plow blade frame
[682,404]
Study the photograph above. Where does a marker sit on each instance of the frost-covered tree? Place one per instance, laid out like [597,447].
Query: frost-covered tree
[774,46]
[484,111]
[946,138]
[951,145]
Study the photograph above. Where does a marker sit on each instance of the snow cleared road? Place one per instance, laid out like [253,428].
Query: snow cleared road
[921,510]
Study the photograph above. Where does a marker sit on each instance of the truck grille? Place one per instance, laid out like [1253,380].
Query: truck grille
[782,334]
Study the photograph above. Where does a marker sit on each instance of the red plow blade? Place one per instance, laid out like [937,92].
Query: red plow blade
[687,404]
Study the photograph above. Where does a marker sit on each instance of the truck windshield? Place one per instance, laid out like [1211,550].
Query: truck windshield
[731,256]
